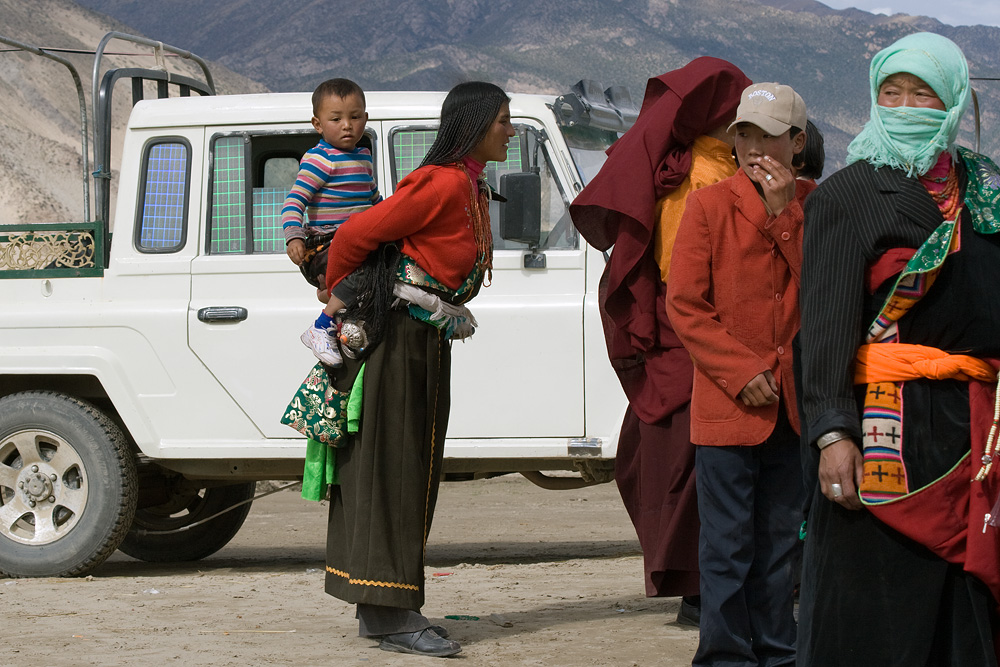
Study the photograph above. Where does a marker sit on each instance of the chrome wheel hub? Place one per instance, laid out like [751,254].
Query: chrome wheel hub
[36,486]
[43,487]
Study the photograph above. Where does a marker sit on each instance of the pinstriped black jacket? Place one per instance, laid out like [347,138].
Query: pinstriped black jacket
[850,220]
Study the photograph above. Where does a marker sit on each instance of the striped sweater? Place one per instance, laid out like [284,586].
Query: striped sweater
[331,185]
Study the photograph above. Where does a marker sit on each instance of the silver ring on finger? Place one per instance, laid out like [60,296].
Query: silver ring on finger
[838,490]
[768,177]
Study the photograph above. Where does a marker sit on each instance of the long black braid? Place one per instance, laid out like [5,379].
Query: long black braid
[375,279]
[466,115]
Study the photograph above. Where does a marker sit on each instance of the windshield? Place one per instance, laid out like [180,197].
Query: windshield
[587,146]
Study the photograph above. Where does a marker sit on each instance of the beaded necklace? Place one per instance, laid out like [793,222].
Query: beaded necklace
[479,211]
[945,192]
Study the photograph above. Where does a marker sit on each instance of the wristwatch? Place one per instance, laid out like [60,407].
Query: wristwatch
[830,437]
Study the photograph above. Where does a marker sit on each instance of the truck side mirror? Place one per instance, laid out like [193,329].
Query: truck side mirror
[521,215]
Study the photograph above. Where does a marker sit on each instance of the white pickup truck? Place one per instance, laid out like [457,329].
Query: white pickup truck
[143,372]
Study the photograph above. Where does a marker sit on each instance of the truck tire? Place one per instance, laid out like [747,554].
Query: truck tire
[67,485]
[185,508]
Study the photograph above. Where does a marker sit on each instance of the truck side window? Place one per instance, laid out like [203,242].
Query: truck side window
[259,170]
[227,224]
[162,223]
[409,145]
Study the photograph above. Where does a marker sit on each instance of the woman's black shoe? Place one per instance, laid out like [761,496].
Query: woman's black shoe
[438,630]
[422,642]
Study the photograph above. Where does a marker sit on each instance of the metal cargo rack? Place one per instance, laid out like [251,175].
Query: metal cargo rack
[82,249]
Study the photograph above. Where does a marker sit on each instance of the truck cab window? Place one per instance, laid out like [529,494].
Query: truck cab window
[588,146]
[251,176]
[409,145]
[162,220]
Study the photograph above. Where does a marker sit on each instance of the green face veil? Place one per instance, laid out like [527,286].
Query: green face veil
[911,138]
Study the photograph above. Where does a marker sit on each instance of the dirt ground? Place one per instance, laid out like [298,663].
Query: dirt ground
[535,577]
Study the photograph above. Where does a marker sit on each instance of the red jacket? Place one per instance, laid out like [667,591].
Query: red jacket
[733,300]
[429,213]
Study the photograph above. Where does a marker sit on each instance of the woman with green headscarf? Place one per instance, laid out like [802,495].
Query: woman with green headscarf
[900,344]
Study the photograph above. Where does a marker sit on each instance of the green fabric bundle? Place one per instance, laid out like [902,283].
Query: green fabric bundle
[326,417]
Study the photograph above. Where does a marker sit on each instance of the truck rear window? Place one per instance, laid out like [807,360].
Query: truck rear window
[163,215]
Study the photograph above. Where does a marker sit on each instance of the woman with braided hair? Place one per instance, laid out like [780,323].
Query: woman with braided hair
[381,510]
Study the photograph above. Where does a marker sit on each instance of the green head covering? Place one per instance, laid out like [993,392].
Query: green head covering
[911,138]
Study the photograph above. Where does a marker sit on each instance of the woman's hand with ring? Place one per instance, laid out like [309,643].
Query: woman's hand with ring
[840,473]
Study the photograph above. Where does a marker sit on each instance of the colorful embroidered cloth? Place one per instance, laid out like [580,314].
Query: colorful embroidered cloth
[410,273]
[317,410]
[885,476]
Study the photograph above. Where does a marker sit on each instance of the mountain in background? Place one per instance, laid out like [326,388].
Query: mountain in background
[545,46]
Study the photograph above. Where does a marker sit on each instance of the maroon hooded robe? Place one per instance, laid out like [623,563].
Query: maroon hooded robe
[655,461]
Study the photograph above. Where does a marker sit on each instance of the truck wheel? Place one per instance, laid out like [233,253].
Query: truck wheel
[67,485]
[145,542]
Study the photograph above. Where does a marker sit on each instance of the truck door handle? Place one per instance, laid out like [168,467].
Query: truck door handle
[222,314]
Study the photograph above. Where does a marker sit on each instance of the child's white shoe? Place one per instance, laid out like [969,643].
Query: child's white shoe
[319,341]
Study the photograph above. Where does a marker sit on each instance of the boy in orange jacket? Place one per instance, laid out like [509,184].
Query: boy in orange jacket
[732,297]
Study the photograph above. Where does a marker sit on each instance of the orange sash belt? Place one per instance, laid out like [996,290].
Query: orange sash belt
[899,362]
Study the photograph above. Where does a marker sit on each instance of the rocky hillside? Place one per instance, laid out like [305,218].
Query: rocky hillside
[40,141]
[546,45]
[523,45]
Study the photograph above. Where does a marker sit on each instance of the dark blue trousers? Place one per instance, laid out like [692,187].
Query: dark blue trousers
[750,505]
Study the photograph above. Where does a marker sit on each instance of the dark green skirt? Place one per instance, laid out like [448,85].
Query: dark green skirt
[381,511]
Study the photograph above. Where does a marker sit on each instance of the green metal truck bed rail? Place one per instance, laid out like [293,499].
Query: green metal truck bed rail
[52,250]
